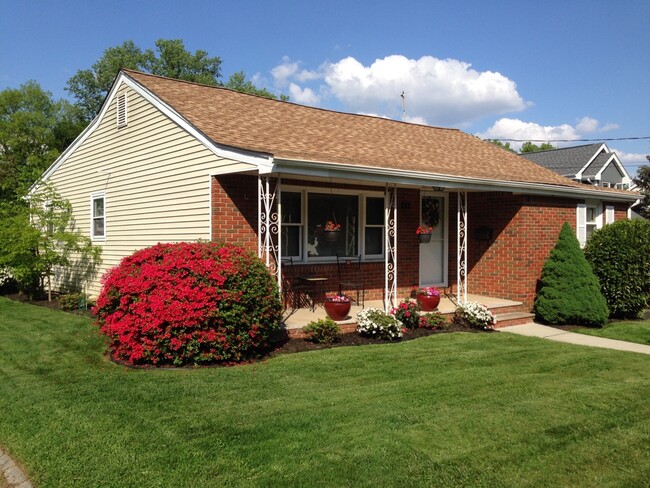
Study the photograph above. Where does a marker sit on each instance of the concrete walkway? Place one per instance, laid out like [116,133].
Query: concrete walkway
[12,474]
[545,332]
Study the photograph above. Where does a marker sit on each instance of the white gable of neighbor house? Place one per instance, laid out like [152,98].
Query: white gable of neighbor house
[612,160]
[153,171]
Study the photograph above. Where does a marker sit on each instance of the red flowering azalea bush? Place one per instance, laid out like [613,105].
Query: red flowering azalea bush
[188,303]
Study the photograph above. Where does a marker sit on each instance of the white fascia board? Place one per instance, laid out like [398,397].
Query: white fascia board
[602,147]
[614,159]
[370,174]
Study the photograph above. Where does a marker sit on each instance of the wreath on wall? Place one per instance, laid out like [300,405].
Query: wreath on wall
[431,212]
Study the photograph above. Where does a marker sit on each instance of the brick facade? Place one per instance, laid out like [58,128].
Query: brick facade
[509,237]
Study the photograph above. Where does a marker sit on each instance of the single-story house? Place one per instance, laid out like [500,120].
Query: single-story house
[168,160]
[593,164]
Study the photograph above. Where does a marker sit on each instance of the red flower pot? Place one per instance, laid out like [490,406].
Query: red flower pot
[337,310]
[428,303]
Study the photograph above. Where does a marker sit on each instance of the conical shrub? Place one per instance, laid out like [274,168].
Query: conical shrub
[569,291]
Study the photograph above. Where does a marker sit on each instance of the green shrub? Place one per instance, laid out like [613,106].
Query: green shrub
[433,321]
[620,256]
[374,322]
[322,331]
[71,301]
[569,292]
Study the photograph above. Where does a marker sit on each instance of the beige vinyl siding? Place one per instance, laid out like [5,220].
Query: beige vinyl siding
[156,178]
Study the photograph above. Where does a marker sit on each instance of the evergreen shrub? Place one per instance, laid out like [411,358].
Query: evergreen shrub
[188,303]
[620,256]
[322,331]
[569,292]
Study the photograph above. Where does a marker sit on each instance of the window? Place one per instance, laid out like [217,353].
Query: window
[291,224]
[359,220]
[589,218]
[98,216]
[122,120]
[374,228]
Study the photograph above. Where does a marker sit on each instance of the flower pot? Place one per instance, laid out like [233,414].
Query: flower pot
[424,238]
[337,310]
[428,303]
[331,235]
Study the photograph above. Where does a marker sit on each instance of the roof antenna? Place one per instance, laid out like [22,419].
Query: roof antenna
[403,95]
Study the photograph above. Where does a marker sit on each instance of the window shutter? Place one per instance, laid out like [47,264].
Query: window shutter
[581,223]
[609,214]
[121,111]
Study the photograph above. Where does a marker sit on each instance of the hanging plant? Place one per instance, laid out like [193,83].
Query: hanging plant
[331,225]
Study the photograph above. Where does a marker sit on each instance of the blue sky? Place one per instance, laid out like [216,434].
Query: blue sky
[525,70]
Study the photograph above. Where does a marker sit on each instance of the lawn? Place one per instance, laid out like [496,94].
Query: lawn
[631,331]
[446,410]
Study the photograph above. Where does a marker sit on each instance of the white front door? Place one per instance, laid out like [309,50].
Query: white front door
[433,254]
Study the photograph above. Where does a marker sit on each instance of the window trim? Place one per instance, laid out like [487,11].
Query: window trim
[93,197]
[361,194]
[581,219]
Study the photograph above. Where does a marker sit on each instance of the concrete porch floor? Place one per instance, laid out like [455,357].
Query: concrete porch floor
[298,318]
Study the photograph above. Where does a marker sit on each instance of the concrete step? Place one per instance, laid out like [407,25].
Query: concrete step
[513,318]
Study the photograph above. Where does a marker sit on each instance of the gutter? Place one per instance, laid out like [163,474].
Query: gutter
[407,177]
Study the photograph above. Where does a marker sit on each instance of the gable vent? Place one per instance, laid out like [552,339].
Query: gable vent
[121,111]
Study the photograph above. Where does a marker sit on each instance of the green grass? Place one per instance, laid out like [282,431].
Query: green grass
[446,410]
[631,331]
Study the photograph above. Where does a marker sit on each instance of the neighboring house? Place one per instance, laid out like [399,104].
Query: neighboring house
[593,164]
[169,160]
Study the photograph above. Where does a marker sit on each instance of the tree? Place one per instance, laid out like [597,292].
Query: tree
[642,180]
[505,146]
[170,59]
[528,147]
[569,291]
[34,129]
[38,235]
[238,82]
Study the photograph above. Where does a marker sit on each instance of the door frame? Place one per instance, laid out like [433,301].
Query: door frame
[444,222]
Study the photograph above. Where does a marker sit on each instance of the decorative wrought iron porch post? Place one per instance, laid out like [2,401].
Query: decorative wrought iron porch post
[390,263]
[461,258]
[268,224]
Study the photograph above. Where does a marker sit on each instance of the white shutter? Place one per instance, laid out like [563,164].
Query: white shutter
[609,214]
[581,225]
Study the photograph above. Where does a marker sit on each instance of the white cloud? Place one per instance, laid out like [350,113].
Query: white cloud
[506,128]
[305,96]
[438,91]
[630,158]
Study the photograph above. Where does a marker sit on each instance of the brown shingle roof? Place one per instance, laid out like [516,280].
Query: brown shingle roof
[290,131]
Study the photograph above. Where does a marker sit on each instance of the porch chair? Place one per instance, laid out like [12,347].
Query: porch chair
[347,265]
[293,291]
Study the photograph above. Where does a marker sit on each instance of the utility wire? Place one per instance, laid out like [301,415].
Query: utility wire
[570,140]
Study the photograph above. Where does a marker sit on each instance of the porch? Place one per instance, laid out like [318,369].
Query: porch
[507,312]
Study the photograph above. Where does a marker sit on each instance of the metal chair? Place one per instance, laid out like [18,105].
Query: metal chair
[347,265]
[293,291]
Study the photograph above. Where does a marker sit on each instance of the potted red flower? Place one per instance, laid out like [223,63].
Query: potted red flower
[331,231]
[424,233]
[337,307]
[428,298]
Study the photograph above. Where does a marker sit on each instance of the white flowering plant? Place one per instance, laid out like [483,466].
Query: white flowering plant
[475,315]
[376,323]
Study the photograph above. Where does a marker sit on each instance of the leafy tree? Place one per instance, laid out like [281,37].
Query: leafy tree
[505,146]
[569,292]
[238,82]
[620,256]
[642,179]
[37,236]
[528,147]
[170,59]
[34,129]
